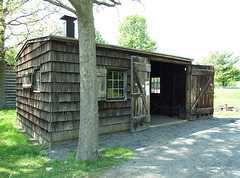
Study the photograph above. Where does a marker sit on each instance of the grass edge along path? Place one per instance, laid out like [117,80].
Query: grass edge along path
[231,97]
[18,158]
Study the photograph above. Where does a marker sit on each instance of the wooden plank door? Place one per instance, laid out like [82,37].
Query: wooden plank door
[202,90]
[140,94]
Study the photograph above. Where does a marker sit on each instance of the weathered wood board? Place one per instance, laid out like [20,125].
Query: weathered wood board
[202,91]
[140,93]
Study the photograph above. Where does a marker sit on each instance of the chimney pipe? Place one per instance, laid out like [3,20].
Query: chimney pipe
[68,27]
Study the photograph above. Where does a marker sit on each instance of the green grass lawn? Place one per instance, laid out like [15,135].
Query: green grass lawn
[231,97]
[18,158]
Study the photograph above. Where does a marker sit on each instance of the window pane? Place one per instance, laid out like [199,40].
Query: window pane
[115,75]
[109,93]
[109,84]
[115,84]
[120,93]
[37,85]
[37,82]
[38,75]
[110,75]
[155,85]
[121,84]
[115,93]
[121,75]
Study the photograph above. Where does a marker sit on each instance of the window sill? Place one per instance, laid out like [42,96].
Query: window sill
[26,86]
[36,91]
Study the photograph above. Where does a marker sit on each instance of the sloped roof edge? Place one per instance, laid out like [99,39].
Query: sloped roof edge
[109,46]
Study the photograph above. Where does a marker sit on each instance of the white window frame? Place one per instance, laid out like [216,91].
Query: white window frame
[117,80]
[37,80]
[155,85]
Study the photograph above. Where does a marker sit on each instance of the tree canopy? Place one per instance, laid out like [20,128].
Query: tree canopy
[21,20]
[225,72]
[132,33]
[99,38]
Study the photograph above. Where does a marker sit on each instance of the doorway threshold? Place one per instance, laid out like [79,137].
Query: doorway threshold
[160,120]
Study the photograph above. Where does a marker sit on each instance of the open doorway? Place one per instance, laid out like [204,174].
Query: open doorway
[168,91]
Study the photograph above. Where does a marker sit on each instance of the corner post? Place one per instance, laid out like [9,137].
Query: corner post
[188,92]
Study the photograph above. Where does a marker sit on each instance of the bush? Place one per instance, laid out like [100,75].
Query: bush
[217,84]
[229,84]
[232,84]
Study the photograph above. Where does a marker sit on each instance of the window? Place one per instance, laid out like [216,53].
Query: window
[155,85]
[37,80]
[116,84]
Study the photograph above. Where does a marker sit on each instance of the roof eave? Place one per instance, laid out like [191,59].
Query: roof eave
[109,46]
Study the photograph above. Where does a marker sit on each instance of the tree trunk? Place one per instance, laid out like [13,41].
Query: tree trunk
[88,129]
[2,54]
[2,30]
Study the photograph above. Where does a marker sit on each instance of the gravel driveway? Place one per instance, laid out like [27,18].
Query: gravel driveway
[203,148]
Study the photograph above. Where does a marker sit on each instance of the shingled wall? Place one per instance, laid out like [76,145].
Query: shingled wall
[52,115]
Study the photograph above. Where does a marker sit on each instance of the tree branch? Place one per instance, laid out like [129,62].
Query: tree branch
[113,4]
[59,4]
[76,4]
[30,20]
[25,15]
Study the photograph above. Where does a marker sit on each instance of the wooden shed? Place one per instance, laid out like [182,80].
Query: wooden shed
[133,85]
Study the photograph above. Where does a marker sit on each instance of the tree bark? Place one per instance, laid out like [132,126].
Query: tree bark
[2,54]
[2,30]
[89,122]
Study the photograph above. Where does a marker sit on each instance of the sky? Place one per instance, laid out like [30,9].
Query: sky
[187,28]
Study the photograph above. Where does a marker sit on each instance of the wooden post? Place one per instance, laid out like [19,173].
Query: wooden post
[188,92]
[173,91]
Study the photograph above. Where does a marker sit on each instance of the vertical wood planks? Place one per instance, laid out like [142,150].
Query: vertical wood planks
[202,90]
[140,93]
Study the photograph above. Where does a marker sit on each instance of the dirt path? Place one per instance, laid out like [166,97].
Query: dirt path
[204,148]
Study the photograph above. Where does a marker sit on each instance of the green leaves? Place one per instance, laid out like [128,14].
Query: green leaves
[133,34]
[99,38]
[21,20]
[225,72]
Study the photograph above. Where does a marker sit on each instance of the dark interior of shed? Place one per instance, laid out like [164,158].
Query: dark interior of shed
[168,89]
